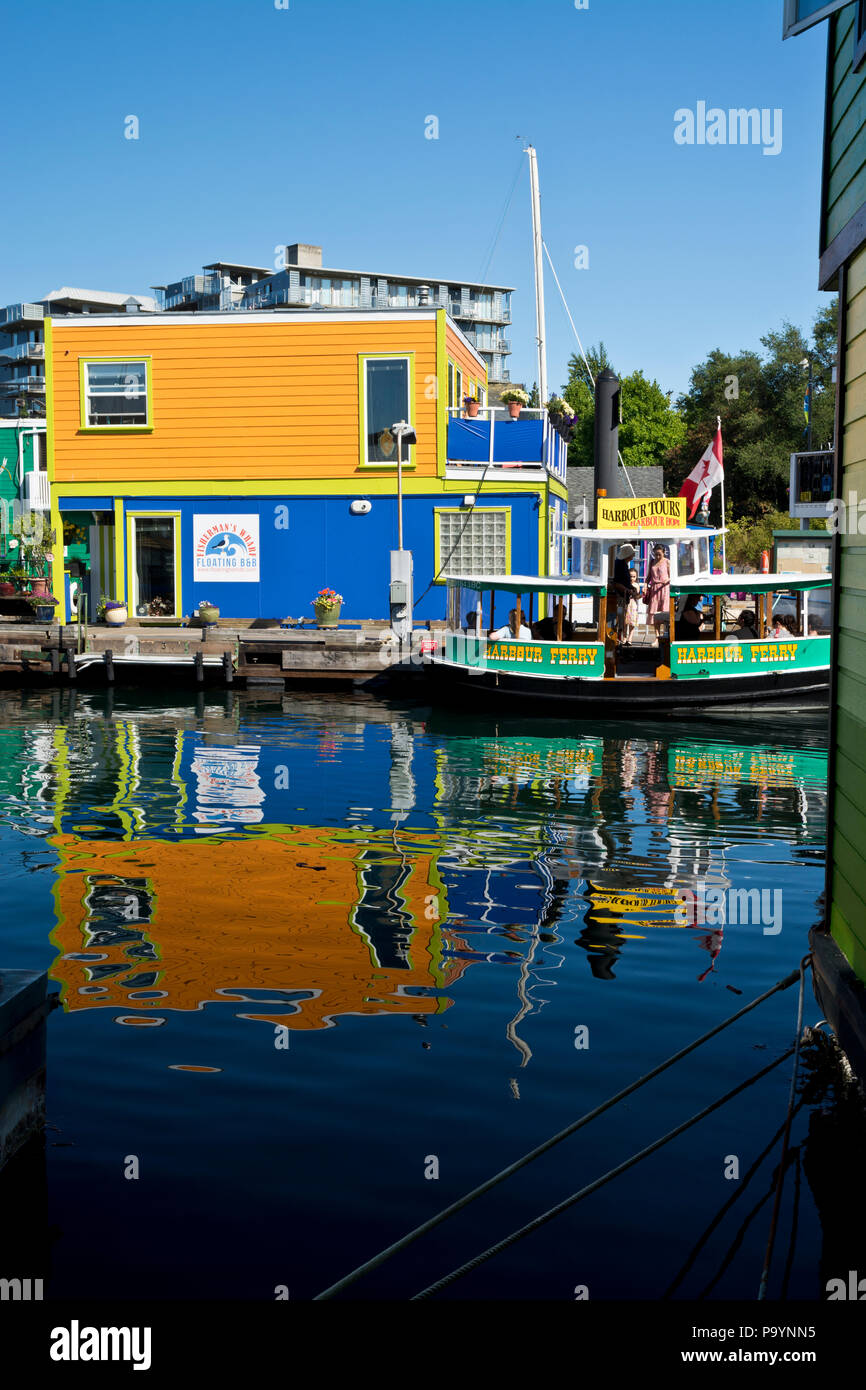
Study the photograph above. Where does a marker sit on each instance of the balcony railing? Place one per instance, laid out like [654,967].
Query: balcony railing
[19,351]
[492,438]
[13,386]
[20,313]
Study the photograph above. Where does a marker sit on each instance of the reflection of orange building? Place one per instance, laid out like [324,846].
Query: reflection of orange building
[350,920]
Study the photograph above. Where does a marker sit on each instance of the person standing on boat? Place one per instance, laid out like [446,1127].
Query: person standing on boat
[622,585]
[657,589]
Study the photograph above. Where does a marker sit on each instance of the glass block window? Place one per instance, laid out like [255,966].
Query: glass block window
[473,543]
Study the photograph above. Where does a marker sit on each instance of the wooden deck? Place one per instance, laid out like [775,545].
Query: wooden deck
[350,656]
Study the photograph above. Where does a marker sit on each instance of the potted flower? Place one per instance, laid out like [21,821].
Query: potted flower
[208,613]
[472,405]
[515,398]
[112,611]
[327,605]
[43,606]
[7,583]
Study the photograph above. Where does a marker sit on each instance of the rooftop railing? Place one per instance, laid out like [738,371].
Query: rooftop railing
[493,439]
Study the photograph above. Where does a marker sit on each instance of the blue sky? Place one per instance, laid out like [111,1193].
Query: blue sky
[261,126]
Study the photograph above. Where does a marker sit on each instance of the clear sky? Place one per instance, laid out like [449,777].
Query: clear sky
[261,126]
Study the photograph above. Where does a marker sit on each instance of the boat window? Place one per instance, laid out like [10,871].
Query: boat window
[592,558]
[575,557]
[456,600]
[685,557]
[704,555]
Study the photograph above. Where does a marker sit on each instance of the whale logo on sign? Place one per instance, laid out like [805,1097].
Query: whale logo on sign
[226,549]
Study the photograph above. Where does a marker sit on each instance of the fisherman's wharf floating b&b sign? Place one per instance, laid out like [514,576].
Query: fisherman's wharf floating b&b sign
[226,549]
[640,513]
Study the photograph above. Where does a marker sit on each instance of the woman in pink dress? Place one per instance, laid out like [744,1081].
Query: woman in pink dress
[657,590]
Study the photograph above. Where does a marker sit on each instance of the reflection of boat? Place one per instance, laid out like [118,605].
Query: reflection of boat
[582,666]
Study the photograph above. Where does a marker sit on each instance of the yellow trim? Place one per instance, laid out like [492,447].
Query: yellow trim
[119,551]
[84,427]
[131,518]
[461,511]
[363,359]
[58,567]
[288,488]
[441,395]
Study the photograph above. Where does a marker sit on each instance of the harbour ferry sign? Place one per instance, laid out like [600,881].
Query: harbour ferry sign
[642,513]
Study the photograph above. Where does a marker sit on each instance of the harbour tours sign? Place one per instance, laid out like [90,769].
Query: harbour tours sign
[640,513]
[226,548]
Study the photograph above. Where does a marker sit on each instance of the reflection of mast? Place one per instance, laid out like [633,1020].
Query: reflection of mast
[400,780]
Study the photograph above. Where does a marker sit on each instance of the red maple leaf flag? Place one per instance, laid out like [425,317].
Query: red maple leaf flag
[707,472]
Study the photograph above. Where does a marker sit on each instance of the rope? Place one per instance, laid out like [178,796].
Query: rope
[594,1186]
[777,1201]
[591,381]
[521,166]
[469,512]
[543,1148]
[723,1211]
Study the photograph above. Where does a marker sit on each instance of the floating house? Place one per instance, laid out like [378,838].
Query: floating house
[248,459]
[840,949]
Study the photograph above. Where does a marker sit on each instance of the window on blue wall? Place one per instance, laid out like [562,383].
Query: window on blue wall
[386,400]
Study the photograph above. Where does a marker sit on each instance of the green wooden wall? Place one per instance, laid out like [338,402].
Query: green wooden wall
[848,837]
[845,171]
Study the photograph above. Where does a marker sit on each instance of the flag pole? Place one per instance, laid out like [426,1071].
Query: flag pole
[724,555]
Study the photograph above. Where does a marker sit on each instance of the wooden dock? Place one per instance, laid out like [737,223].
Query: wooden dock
[250,656]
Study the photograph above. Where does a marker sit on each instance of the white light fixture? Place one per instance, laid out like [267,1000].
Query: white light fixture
[469,500]
[360,507]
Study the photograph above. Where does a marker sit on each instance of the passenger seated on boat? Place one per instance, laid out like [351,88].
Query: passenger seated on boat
[512,632]
[545,630]
[747,630]
[687,627]
[473,627]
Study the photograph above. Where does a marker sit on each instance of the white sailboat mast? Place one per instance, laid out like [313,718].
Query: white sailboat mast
[538,253]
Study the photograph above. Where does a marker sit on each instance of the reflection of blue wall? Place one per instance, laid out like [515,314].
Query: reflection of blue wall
[325,545]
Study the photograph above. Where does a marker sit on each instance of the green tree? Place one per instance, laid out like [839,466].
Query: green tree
[651,427]
[759,397]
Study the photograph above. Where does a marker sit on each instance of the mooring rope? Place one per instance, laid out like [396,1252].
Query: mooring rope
[548,1144]
[594,1186]
[792,1095]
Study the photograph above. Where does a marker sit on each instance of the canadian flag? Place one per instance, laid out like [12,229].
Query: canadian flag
[707,472]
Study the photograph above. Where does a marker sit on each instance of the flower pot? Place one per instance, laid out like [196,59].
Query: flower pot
[328,617]
[6,589]
[472,409]
[514,408]
[43,612]
[208,614]
[39,586]
[116,617]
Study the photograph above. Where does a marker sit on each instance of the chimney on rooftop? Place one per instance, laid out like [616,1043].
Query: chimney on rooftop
[301,253]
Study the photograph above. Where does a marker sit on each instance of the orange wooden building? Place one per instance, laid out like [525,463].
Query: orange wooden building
[224,457]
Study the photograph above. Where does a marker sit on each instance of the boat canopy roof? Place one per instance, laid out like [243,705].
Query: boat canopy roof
[749,583]
[529,583]
[646,533]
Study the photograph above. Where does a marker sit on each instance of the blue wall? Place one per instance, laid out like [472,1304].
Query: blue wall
[325,546]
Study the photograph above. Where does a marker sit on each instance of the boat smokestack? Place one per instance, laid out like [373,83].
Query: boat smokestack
[606,442]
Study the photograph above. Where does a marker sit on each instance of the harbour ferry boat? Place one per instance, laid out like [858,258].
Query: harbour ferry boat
[752,639]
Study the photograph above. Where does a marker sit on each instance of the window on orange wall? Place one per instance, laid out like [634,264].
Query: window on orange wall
[115,394]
